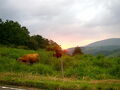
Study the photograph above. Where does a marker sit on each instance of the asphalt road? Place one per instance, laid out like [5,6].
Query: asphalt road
[10,88]
[16,88]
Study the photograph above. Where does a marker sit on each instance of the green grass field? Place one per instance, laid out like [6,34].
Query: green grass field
[80,72]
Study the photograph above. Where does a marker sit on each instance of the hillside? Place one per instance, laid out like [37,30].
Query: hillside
[106,42]
[84,72]
[106,47]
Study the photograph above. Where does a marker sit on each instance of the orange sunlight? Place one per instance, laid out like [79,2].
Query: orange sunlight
[70,45]
[65,46]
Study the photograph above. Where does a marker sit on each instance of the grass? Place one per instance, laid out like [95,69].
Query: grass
[52,83]
[85,72]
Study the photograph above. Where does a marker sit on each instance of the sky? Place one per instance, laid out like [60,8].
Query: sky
[70,23]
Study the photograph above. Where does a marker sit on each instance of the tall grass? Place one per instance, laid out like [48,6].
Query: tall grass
[53,83]
[81,67]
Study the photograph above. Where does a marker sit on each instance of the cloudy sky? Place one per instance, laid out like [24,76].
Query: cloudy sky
[68,22]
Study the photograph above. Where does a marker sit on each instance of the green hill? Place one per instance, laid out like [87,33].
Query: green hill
[106,42]
[105,47]
[80,72]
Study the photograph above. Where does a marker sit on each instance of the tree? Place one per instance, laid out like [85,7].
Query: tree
[53,46]
[0,20]
[33,44]
[11,33]
[77,50]
[38,42]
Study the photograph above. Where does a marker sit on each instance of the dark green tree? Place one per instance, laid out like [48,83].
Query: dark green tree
[38,42]
[77,51]
[0,20]
[12,33]
[33,44]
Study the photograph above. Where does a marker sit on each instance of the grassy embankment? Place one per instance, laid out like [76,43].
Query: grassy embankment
[81,72]
[50,82]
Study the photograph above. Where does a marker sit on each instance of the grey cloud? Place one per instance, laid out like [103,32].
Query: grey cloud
[88,19]
[110,16]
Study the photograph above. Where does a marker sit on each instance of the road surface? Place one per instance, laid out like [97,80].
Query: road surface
[16,88]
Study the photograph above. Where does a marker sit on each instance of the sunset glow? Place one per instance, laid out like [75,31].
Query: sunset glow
[66,46]
[83,43]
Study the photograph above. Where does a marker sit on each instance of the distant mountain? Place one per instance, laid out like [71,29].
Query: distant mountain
[106,47]
[107,42]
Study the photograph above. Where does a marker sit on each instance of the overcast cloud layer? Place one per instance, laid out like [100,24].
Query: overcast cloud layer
[68,22]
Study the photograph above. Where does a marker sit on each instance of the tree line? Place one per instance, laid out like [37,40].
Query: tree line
[13,34]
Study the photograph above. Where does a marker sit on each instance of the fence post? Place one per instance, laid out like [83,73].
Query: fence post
[62,70]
